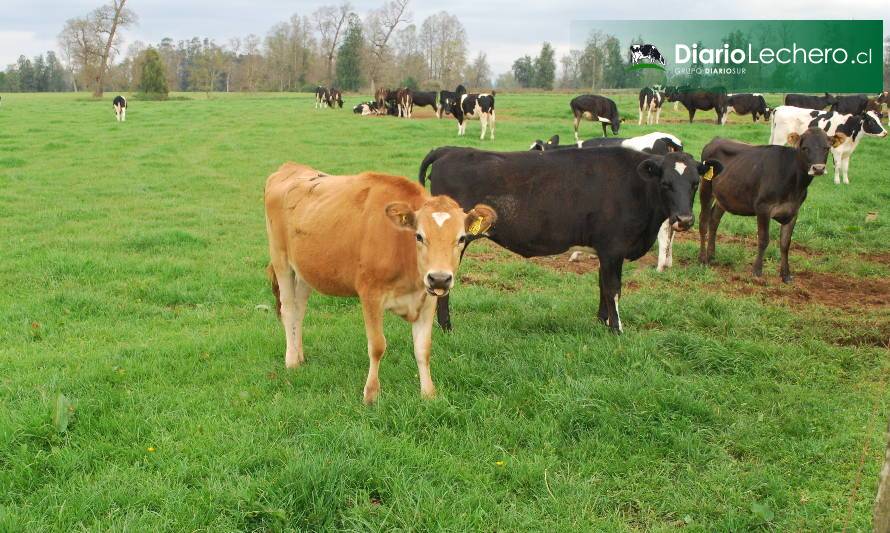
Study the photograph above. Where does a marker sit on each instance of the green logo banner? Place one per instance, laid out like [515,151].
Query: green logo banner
[843,56]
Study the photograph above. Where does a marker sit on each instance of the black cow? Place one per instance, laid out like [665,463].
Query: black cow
[769,182]
[120,108]
[448,99]
[596,108]
[654,143]
[854,104]
[322,97]
[472,105]
[704,99]
[613,200]
[807,101]
[424,98]
[747,104]
[335,97]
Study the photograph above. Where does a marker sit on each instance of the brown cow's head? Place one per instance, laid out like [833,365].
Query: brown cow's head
[441,229]
[812,148]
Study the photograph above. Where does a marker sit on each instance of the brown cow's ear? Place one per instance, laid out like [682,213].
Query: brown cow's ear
[709,168]
[480,219]
[649,169]
[402,215]
[793,140]
[837,139]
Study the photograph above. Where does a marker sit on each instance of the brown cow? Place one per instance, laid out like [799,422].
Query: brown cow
[379,237]
[405,101]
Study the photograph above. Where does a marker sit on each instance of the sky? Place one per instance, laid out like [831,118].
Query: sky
[504,30]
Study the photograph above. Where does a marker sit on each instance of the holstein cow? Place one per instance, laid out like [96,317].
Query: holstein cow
[651,100]
[852,104]
[652,143]
[381,238]
[386,99]
[335,96]
[611,200]
[365,108]
[747,104]
[639,52]
[788,119]
[448,99]
[769,182]
[322,97]
[704,99]
[596,108]
[403,100]
[809,101]
[472,105]
[120,108]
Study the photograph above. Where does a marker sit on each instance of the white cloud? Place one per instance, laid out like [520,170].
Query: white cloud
[16,43]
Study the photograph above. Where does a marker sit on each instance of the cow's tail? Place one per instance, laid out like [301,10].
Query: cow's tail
[273,281]
[425,164]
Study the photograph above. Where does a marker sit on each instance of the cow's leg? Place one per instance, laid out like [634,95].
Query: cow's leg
[657,115]
[845,167]
[439,111]
[610,291]
[643,104]
[422,331]
[704,217]
[784,246]
[576,122]
[604,129]
[373,313]
[838,162]
[124,114]
[491,121]
[716,214]
[762,242]
[665,246]
[294,295]
[483,122]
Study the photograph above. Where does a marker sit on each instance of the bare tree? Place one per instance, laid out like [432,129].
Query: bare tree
[478,73]
[444,43]
[330,22]
[381,25]
[106,21]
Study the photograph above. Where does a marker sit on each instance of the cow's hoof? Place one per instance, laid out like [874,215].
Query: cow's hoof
[446,327]
[787,278]
[429,393]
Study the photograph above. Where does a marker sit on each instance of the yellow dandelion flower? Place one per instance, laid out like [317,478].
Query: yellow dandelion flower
[500,463]
[151,449]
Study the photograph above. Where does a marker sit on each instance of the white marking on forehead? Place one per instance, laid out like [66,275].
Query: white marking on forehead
[680,167]
[441,217]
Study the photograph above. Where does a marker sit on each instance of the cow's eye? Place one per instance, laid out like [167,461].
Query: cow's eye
[419,237]
[462,240]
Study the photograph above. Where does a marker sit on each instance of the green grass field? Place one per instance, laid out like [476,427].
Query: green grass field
[143,389]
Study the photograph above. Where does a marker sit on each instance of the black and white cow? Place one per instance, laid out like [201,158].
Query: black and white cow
[595,108]
[611,200]
[704,99]
[473,105]
[322,97]
[747,104]
[809,101]
[120,108]
[852,104]
[335,97]
[447,99]
[404,100]
[639,52]
[365,108]
[651,100]
[789,119]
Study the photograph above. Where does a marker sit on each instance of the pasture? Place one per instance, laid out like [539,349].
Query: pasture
[142,379]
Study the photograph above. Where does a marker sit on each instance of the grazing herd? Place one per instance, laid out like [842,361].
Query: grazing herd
[397,247]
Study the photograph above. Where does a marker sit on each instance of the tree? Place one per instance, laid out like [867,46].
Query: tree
[545,67]
[381,24]
[153,81]
[107,20]
[524,71]
[479,73]
[349,57]
[444,44]
[330,22]
[27,79]
[209,62]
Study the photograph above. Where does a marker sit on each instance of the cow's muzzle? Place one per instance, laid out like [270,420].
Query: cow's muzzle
[439,283]
[817,170]
[683,222]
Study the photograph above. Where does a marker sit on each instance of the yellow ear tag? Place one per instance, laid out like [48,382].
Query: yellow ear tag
[475,227]
[709,175]
[403,219]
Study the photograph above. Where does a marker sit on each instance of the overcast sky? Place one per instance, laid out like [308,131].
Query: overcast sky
[504,30]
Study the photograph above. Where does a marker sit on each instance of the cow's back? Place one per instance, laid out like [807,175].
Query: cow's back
[334,229]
